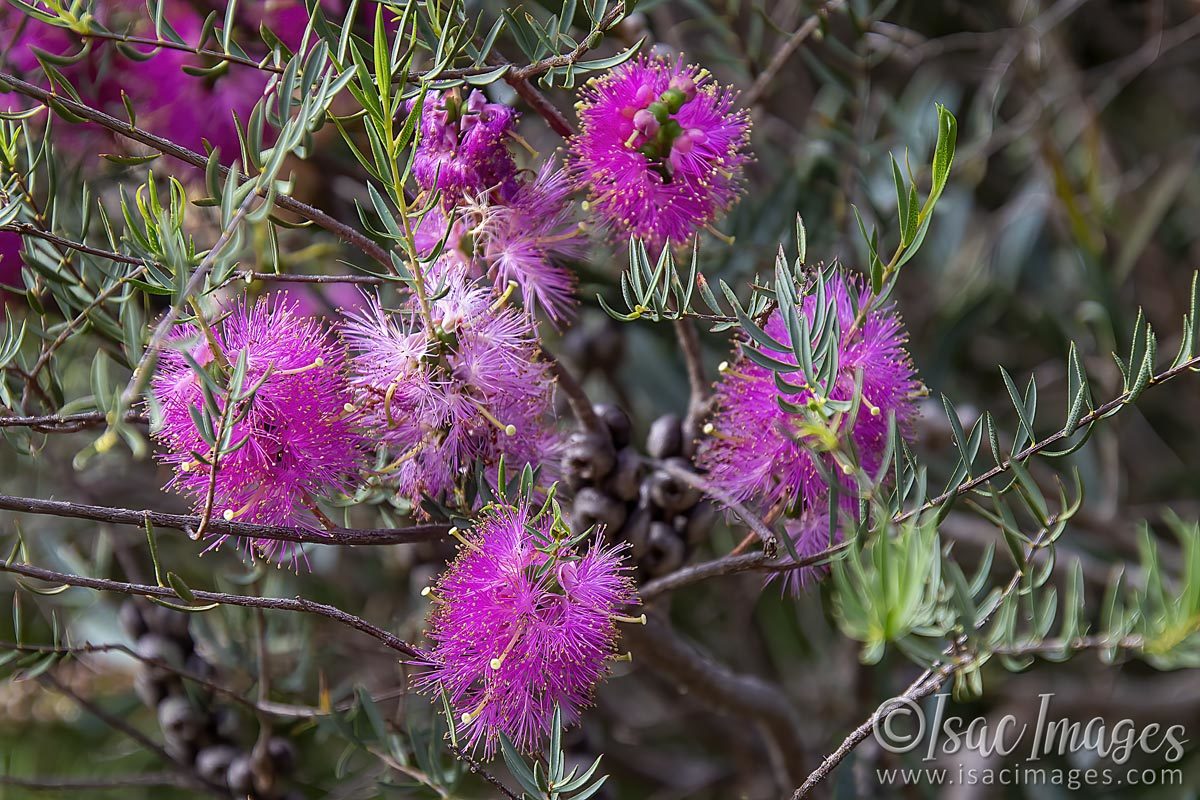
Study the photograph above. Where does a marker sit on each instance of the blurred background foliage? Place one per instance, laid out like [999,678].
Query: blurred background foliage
[1074,200]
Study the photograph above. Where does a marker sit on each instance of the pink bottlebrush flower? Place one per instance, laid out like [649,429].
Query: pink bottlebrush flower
[809,532]
[10,264]
[21,35]
[462,148]
[190,109]
[525,239]
[757,452]
[522,623]
[10,258]
[472,390]
[291,439]
[288,19]
[660,149]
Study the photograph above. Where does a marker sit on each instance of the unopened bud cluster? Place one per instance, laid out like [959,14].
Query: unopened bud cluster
[197,730]
[659,515]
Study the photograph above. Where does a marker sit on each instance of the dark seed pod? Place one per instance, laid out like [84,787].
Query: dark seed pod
[620,428]
[664,550]
[156,647]
[637,531]
[240,775]
[282,754]
[669,493]
[178,749]
[212,763]
[175,624]
[225,723]
[132,620]
[665,438]
[197,666]
[605,346]
[698,522]
[179,719]
[149,689]
[587,459]
[625,480]
[594,507]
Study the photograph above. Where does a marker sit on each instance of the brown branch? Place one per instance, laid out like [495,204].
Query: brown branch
[664,650]
[366,280]
[114,647]
[694,573]
[477,768]
[25,229]
[152,779]
[735,563]
[68,423]
[541,104]
[689,344]
[780,59]
[169,148]
[182,47]
[188,523]
[297,604]
[581,406]
[926,684]
[1095,415]
[118,724]
[764,532]
[538,68]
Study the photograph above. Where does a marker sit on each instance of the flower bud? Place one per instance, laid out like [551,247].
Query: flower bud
[684,85]
[645,123]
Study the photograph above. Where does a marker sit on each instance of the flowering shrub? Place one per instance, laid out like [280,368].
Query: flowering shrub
[540,409]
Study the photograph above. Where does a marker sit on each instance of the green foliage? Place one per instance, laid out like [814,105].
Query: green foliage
[890,588]
[550,779]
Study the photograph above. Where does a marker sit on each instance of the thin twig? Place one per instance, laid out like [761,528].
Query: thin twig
[1095,415]
[689,343]
[297,604]
[765,534]
[188,523]
[68,423]
[114,647]
[581,406]
[732,563]
[476,767]
[343,231]
[694,573]
[754,93]
[118,724]
[926,684]
[25,229]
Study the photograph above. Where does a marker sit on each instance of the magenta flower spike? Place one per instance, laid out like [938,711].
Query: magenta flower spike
[292,439]
[523,622]
[756,451]
[471,390]
[463,146]
[525,240]
[660,150]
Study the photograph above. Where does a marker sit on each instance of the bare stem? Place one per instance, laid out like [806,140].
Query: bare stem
[189,523]
[297,604]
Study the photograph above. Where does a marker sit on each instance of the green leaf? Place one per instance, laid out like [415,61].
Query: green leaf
[180,588]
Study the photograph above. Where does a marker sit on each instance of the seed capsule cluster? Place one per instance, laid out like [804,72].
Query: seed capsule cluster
[660,517]
[196,729]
